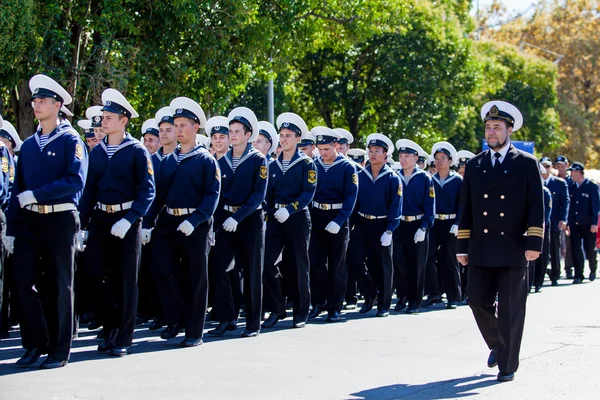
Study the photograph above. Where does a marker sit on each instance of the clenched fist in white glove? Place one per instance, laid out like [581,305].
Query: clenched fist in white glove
[186,228]
[120,228]
[420,235]
[454,230]
[386,238]
[332,228]
[26,198]
[282,215]
[80,239]
[9,244]
[230,224]
[146,236]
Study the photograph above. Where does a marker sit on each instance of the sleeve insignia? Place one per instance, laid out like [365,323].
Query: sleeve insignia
[263,172]
[400,189]
[355,179]
[4,165]
[150,166]
[431,191]
[79,151]
[11,176]
[312,176]
[218,174]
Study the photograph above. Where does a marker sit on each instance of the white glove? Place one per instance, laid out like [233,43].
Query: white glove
[146,236]
[386,239]
[282,215]
[420,235]
[80,239]
[9,244]
[230,224]
[454,230]
[86,235]
[26,198]
[120,228]
[186,228]
[211,237]
[332,228]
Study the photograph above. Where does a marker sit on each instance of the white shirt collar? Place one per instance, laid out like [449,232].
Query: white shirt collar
[502,152]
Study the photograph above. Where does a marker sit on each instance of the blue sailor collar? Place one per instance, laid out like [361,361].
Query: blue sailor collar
[196,150]
[416,171]
[159,154]
[383,172]
[339,159]
[62,128]
[296,158]
[451,176]
[127,141]
[250,150]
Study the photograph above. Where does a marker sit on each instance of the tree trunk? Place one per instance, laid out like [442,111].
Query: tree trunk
[21,102]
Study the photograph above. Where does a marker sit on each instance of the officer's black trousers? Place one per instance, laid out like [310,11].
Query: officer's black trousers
[442,246]
[583,242]
[554,253]
[112,266]
[377,278]
[147,306]
[292,237]
[569,259]
[541,263]
[410,259]
[180,270]
[244,246]
[504,331]
[43,257]
[327,254]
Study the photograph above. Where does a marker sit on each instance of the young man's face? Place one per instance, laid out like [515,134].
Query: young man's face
[113,123]
[408,160]
[343,148]
[99,133]
[461,169]
[237,134]
[308,150]
[262,144]
[151,142]
[328,152]
[442,161]
[220,142]
[92,142]
[377,155]
[45,108]
[561,168]
[166,133]
[7,143]
[186,130]
[288,140]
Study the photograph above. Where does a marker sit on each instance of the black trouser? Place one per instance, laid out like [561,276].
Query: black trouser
[245,245]
[292,237]
[9,312]
[3,274]
[541,263]
[376,279]
[147,305]
[504,331]
[442,244]
[583,241]
[112,266]
[410,259]
[327,254]
[180,271]
[554,253]
[569,259]
[43,257]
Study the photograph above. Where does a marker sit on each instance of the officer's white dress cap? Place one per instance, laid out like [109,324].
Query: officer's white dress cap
[202,140]
[113,101]
[325,135]
[267,129]
[188,108]
[164,115]
[42,86]
[408,146]
[149,126]
[377,139]
[294,123]
[218,124]
[464,155]
[446,148]
[504,111]
[246,117]
[7,127]
[66,111]
[346,136]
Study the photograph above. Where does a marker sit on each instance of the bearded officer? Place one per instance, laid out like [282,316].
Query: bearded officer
[501,198]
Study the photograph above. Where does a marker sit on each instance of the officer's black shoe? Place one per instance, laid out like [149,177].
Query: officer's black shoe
[316,311]
[100,334]
[120,351]
[400,305]
[190,342]
[141,320]
[333,316]
[30,357]
[156,324]
[298,325]
[577,281]
[492,359]
[51,363]
[592,277]
[451,305]
[431,300]
[108,342]
[273,319]
[382,313]
[367,305]
[350,306]
[171,331]
[223,327]
[250,333]
[569,274]
[412,310]
[505,376]
[538,289]
[554,283]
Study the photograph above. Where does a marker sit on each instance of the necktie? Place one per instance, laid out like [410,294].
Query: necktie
[497,162]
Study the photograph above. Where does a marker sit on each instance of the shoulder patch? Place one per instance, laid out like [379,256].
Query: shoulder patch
[355,179]
[79,151]
[218,174]
[150,166]
[431,191]
[263,172]
[400,189]
[11,175]
[312,176]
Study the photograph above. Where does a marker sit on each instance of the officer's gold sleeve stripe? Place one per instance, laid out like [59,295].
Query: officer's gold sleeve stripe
[535,231]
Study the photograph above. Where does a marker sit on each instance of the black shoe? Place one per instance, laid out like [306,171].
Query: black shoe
[109,341]
[333,316]
[367,305]
[577,281]
[299,325]
[93,325]
[505,376]
[141,320]
[171,331]
[412,310]
[382,313]
[316,311]
[120,351]
[431,300]
[243,313]
[273,319]
[249,333]
[51,363]
[554,283]
[289,305]
[30,357]
[569,274]
[592,277]
[400,305]
[350,306]
[492,359]
[190,342]
[100,334]
[156,324]
[451,305]
[538,289]
[223,327]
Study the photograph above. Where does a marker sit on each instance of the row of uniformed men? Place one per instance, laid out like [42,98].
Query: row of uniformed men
[121,199]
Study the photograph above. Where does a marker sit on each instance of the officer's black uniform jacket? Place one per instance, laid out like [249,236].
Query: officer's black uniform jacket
[502,211]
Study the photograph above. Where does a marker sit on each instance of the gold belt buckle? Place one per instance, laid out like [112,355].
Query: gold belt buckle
[367,216]
[235,208]
[177,212]
[410,219]
[42,209]
[325,207]
[110,209]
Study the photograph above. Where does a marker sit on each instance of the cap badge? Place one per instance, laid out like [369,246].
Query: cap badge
[37,89]
[179,110]
[217,128]
[320,137]
[373,141]
[108,103]
[494,111]
[97,118]
[286,124]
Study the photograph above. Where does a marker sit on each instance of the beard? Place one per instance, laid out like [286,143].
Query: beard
[498,145]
